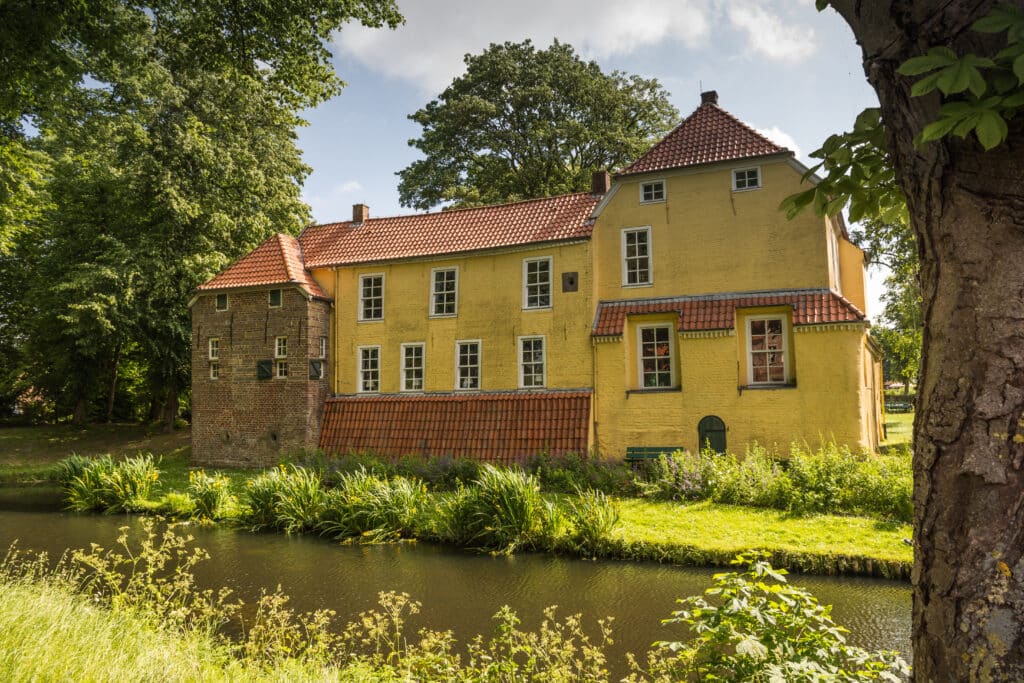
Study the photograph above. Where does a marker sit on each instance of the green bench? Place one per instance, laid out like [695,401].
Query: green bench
[898,407]
[635,454]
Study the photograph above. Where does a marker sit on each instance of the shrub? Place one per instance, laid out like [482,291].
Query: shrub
[572,472]
[679,476]
[299,500]
[374,508]
[760,628]
[502,511]
[261,497]
[210,494]
[105,485]
[592,517]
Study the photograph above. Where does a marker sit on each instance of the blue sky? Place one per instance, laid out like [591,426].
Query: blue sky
[791,72]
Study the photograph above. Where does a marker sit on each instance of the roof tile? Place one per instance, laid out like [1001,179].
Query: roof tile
[278,261]
[718,311]
[449,232]
[710,134]
[504,427]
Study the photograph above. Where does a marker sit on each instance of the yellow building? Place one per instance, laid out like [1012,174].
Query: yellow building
[672,306]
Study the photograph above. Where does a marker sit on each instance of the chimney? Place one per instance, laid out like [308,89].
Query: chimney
[709,97]
[360,213]
[600,182]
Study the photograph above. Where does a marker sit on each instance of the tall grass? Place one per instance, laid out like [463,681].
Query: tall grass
[289,498]
[376,509]
[108,486]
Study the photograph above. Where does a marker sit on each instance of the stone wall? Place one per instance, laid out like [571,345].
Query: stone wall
[239,419]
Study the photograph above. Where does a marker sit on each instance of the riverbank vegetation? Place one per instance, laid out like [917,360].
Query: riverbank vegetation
[114,614]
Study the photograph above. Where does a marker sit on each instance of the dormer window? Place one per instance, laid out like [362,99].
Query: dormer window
[746,179]
[275,298]
[653,191]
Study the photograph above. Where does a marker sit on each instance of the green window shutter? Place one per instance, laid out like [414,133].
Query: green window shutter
[264,369]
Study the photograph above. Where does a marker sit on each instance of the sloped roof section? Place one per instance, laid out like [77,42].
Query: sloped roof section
[501,427]
[718,311]
[278,261]
[550,219]
[708,135]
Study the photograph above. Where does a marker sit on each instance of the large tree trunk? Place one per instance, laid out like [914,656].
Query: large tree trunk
[170,411]
[967,210]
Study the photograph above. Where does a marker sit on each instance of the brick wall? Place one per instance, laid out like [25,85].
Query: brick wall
[238,419]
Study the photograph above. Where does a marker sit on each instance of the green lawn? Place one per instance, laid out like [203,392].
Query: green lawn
[899,429]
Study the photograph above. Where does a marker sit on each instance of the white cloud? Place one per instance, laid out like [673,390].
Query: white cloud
[772,35]
[780,137]
[347,187]
[429,48]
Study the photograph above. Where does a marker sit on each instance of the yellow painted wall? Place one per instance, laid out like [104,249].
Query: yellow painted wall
[708,238]
[824,404]
[490,308]
[851,263]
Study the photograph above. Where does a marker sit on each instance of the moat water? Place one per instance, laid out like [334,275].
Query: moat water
[460,591]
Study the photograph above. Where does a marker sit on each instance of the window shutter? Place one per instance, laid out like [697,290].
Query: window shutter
[264,369]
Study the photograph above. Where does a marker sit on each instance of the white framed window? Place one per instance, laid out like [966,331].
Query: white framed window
[369,369]
[322,350]
[316,369]
[282,370]
[274,298]
[746,178]
[444,292]
[412,367]
[214,370]
[636,257]
[213,348]
[537,282]
[532,363]
[281,347]
[467,364]
[221,302]
[653,191]
[371,297]
[655,356]
[766,342]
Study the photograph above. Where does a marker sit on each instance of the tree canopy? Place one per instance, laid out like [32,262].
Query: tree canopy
[523,122]
[151,144]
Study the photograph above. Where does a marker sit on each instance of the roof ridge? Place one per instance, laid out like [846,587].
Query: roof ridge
[451,211]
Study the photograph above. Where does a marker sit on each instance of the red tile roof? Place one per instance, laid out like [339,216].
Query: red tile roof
[549,219]
[498,427]
[278,261]
[718,311]
[707,135]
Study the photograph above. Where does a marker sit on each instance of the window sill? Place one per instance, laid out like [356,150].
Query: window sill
[745,189]
[770,387]
[370,320]
[442,316]
[537,308]
[651,201]
[665,390]
[638,286]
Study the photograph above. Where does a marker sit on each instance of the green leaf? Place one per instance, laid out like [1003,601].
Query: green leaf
[991,129]
[820,5]
[939,129]
[1018,69]
[925,85]
[936,58]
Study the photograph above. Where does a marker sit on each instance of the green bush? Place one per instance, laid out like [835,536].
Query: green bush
[101,484]
[299,500]
[374,508]
[592,517]
[261,497]
[210,494]
[756,627]
[572,472]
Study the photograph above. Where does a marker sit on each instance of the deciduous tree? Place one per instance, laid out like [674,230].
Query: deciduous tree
[523,122]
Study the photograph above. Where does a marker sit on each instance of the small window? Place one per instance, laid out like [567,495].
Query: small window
[214,370]
[316,369]
[444,283]
[323,347]
[369,369]
[412,367]
[222,302]
[531,362]
[214,348]
[371,297]
[746,179]
[282,369]
[275,298]
[537,282]
[264,369]
[656,368]
[766,339]
[467,365]
[281,347]
[653,191]
[636,257]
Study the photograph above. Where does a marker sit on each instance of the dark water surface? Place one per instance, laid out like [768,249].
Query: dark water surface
[460,591]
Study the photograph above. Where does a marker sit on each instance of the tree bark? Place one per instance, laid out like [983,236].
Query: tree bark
[81,414]
[967,211]
[113,384]
[170,411]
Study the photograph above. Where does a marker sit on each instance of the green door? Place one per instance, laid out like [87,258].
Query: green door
[711,431]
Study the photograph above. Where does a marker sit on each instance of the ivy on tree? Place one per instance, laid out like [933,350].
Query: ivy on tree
[523,122]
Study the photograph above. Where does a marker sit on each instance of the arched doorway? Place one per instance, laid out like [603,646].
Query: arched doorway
[711,430]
